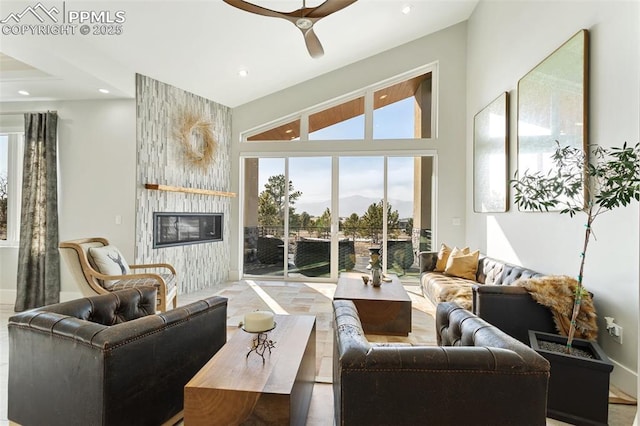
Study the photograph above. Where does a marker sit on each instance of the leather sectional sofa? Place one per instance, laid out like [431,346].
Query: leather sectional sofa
[109,359]
[477,375]
[493,297]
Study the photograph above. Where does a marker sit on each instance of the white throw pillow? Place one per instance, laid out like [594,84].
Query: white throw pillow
[109,261]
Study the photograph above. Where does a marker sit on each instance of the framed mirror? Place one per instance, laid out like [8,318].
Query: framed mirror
[553,105]
[490,156]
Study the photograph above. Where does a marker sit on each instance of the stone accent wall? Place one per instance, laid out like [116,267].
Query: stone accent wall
[161,160]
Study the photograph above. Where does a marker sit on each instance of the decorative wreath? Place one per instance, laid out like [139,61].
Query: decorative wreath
[189,125]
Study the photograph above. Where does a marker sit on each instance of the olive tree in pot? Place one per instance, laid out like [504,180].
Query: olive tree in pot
[590,182]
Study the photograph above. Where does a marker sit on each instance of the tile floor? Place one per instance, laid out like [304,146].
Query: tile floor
[292,298]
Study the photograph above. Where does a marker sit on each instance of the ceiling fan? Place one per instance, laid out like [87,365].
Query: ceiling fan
[303,18]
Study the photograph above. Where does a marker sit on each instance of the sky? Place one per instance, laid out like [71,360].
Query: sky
[361,176]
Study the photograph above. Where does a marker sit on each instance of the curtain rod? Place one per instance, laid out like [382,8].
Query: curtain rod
[23,112]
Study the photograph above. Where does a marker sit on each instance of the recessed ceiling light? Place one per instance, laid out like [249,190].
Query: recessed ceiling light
[23,92]
[382,96]
[406,9]
[288,131]
[243,73]
[105,91]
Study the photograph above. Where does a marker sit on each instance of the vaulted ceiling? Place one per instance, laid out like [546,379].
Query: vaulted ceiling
[201,46]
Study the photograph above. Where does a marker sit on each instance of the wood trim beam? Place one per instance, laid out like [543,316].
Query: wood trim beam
[155,186]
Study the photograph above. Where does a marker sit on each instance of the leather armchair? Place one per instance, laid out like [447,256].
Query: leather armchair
[478,375]
[109,359]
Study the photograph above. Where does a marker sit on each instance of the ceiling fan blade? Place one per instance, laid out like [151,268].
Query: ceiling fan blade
[328,7]
[253,8]
[313,43]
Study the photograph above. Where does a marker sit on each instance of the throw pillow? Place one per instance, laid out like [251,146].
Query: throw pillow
[463,265]
[443,256]
[459,251]
[108,260]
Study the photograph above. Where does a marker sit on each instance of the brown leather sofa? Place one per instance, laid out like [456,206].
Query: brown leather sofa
[109,359]
[494,298]
[478,375]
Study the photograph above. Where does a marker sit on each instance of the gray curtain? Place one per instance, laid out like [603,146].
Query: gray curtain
[38,257]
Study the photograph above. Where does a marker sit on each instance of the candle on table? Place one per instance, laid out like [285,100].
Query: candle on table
[255,322]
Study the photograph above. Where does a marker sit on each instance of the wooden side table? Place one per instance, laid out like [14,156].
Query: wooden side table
[382,310]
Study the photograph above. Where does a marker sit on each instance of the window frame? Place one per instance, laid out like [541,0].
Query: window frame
[15,155]
[367,93]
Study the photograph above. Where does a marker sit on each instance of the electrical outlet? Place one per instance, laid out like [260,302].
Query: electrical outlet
[616,333]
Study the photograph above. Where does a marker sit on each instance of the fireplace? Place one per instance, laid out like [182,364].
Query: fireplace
[176,229]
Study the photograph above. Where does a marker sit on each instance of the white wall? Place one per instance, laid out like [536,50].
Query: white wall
[447,47]
[506,40]
[96,177]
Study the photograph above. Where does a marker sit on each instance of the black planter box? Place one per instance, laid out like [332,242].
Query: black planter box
[578,387]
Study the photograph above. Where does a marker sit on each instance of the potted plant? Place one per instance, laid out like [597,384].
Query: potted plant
[591,182]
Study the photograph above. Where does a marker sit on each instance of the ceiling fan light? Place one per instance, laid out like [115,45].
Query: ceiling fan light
[304,23]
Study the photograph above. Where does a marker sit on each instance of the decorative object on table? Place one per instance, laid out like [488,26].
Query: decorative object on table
[260,323]
[374,266]
[553,105]
[195,135]
[592,182]
[490,156]
[365,279]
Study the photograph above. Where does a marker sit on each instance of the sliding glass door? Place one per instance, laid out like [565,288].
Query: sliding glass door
[360,196]
[310,217]
[313,217]
[264,217]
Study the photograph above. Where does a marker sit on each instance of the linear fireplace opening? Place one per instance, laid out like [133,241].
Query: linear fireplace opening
[176,229]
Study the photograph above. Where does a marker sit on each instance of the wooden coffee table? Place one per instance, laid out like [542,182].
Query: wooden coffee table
[233,389]
[382,310]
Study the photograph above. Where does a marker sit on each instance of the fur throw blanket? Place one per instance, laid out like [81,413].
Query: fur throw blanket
[557,293]
[460,294]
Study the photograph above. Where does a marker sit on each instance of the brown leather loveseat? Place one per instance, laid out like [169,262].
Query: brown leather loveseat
[478,375]
[109,359]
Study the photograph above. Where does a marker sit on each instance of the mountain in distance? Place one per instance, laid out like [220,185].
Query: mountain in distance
[354,204]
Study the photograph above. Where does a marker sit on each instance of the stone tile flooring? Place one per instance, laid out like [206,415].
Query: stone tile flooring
[299,298]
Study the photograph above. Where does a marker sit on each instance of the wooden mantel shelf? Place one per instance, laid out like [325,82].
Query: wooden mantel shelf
[188,190]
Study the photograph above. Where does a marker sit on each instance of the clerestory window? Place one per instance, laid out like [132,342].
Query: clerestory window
[398,109]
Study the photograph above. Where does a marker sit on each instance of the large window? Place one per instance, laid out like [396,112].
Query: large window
[10,177]
[401,108]
[353,173]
